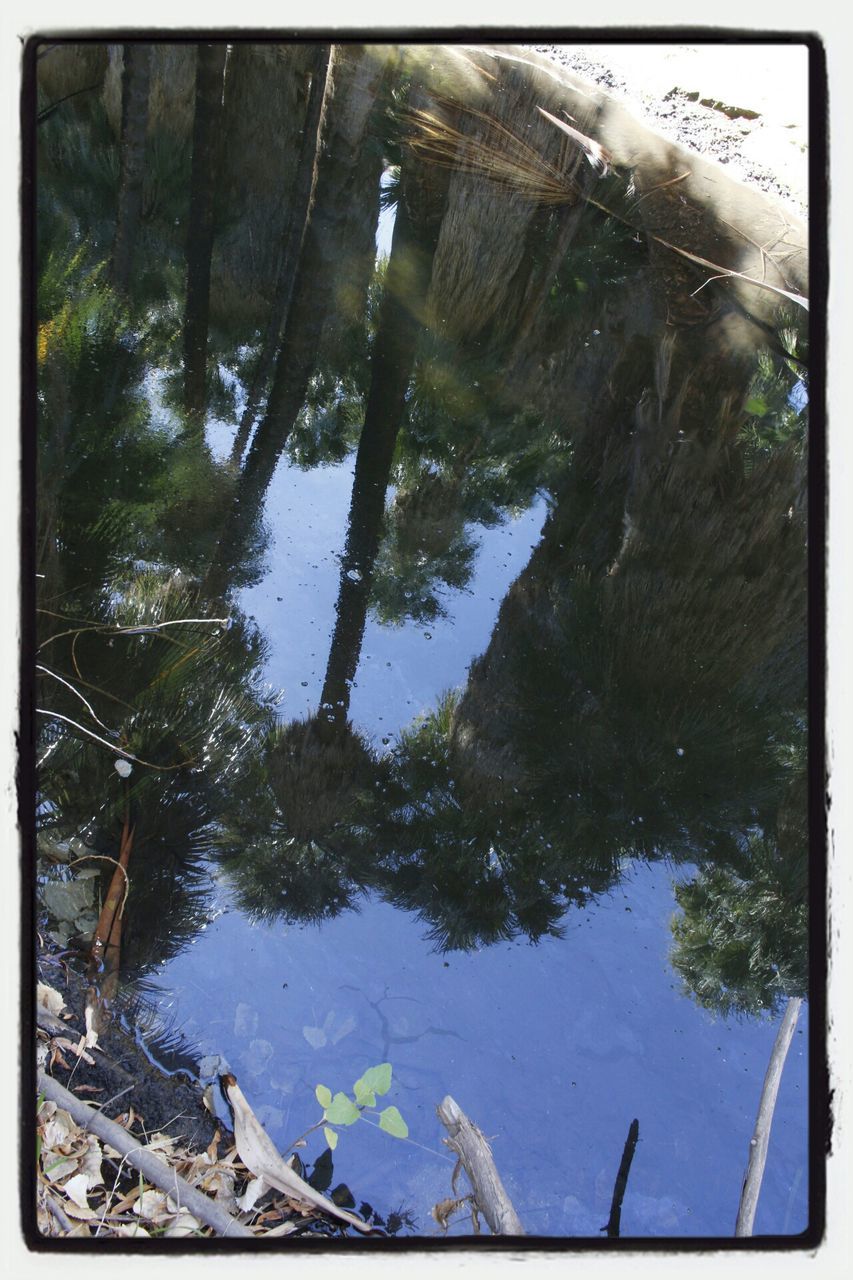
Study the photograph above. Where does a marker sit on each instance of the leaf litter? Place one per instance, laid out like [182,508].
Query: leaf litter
[86,1189]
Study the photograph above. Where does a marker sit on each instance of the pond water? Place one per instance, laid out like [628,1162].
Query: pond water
[429,538]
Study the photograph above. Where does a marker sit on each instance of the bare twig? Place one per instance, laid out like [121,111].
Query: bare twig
[59,1213]
[760,1139]
[615,1219]
[120,751]
[77,693]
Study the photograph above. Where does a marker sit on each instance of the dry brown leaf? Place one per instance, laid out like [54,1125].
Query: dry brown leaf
[91,1037]
[260,1156]
[55,1165]
[284,1230]
[184,1224]
[77,1189]
[49,998]
[150,1204]
[127,1202]
[131,1229]
[90,1164]
[77,1211]
[252,1194]
[57,1127]
[79,1049]
[196,1170]
[163,1142]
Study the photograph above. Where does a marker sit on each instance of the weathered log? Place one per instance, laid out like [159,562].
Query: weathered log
[149,1165]
[760,1139]
[470,1145]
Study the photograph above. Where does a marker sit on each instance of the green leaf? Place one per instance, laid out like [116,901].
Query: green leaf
[374,1080]
[342,1110]
[323,1095]
[757,406]
[364,1096]
[392,1122]
[331,1137]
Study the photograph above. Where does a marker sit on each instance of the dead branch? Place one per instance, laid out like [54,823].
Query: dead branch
[470,1145]
[760,1139]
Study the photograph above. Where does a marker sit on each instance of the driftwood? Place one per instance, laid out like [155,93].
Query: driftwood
[470,1145]
[760,1139]
[149,1165]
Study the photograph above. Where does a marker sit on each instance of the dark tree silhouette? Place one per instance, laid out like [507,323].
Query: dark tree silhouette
[135,86]
[210,70]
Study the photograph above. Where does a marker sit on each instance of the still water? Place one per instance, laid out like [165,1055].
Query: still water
[428,535]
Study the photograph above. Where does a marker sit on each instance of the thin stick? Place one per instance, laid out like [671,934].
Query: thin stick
[621,1183]
[76,692]
[155,1170]
[59,1213]
[760,1139]
[161,768]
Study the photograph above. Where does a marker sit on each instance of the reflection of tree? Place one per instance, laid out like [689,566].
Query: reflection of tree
[646,662]
[114,486]
[136,80]
[181,701]
[340,229]
[318,772]
[426,546]
[295,841]
[643,669]
[476,870]
[741,939]
[401,320]
[298,218]
[210,70]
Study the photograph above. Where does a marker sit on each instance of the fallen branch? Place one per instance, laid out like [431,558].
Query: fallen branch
[475,1155]
[760,1139]
[155,1170]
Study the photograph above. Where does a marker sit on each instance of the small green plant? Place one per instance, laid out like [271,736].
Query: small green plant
[340,1108]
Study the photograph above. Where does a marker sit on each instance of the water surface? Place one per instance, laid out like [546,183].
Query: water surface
[430,539]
